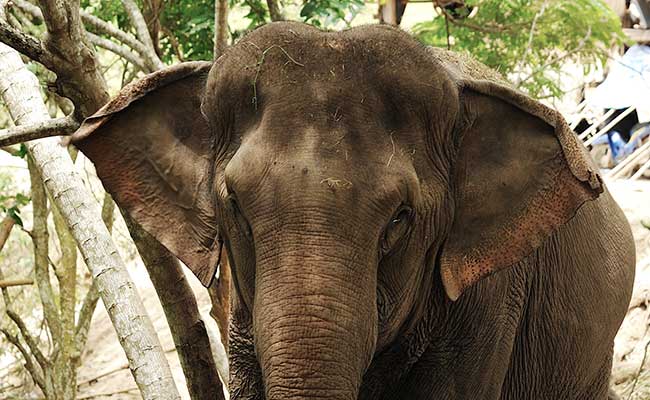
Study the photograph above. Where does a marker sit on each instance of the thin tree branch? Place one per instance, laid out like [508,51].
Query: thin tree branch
[5,283]
[495,28]
[638,374]
[34,371]
[32,343]
[77,74]
[120,50]
[23,133]
[531,35]
[173,41]
[138,22]
[40,239]
[181,310]
[558,58]
[24,44]
[256,8]
[100,26]
[108,29]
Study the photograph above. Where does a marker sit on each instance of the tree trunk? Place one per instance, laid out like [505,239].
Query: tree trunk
[220,27]
[149,367]
[181,310]
[274,10]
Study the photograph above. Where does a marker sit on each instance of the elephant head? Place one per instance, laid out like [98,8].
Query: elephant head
[350,175]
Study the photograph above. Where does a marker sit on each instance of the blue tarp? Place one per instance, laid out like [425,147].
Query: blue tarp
[628,82]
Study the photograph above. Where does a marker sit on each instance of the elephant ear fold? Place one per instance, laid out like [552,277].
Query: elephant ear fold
[520,173]
[151,148]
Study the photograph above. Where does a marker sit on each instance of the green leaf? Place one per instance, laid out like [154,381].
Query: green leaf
[14,212]
[22,151]
[499,35]
[21,199]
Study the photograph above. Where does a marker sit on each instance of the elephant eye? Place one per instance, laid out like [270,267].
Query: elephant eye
[398,226]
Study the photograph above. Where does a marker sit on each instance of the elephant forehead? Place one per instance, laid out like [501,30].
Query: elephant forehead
[320,164]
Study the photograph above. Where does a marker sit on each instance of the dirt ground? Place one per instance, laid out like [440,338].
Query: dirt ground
[103,374]
[633,337]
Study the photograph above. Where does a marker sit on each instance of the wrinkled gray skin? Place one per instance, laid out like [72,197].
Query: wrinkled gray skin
[400,224]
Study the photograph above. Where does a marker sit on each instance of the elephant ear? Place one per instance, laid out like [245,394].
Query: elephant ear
[520,173]
[151,148]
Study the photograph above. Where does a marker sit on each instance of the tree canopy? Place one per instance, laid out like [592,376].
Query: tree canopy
[529,41]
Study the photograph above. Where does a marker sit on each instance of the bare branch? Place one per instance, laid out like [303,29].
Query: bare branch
[531,35]
[35,371]
[174,42]
[40,238]
[32,343]
[24,44]
[120,50]
[104,27]
[13,150]
[138,22]
[85,316]
[76,68]
[108,209]
[256,8]
[558,58]
[18,321]
[5,283]
[24,133]
[108,29]
[494,28]
[28,8]
[5,230]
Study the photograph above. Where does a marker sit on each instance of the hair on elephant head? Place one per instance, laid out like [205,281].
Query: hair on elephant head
[352,176]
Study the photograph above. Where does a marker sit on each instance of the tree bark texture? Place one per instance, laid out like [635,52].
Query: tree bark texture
[53,127]
[274,10]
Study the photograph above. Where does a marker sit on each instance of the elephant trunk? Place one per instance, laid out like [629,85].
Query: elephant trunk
[315,322]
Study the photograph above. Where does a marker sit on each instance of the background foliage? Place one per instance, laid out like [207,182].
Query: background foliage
[529,41]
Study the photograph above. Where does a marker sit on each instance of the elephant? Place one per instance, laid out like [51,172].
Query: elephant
[400,223]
